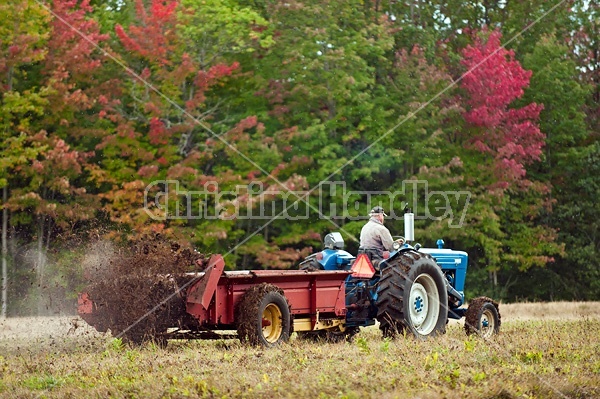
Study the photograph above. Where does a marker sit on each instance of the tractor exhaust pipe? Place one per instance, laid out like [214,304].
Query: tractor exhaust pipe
[409,226]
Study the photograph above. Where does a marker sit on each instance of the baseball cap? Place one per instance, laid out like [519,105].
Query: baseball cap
[377,210]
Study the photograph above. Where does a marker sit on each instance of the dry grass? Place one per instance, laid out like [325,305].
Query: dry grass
[551,310]
[536,358]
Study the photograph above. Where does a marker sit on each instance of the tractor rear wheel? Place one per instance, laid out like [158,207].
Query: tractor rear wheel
[263,316]
[482,317]
[412,297]
[310,263]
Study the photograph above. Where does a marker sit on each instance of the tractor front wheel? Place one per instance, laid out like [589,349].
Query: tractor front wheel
[263,316]
[482,317]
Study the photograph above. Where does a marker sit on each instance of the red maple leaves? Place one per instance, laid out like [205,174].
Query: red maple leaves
[152,38]
[494,80]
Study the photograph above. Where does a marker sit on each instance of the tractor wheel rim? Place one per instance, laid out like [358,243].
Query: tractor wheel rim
[272,332]
[424,304]
[487,324]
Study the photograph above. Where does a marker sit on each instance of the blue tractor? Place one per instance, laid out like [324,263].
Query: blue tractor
[413,291]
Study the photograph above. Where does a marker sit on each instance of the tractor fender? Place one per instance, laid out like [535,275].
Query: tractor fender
[327,259]
[395,254]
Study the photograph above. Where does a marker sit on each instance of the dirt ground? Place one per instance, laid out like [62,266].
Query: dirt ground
[72,326]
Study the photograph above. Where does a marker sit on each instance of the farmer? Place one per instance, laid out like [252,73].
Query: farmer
[375,239]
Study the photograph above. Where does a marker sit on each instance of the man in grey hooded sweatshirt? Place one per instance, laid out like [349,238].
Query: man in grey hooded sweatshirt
[375,238]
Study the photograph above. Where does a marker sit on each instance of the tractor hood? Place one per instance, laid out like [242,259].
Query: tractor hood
[454,263]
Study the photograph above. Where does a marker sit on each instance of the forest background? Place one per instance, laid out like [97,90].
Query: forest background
[497,99]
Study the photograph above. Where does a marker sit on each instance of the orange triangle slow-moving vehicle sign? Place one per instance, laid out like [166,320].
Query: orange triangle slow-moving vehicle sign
[362,267]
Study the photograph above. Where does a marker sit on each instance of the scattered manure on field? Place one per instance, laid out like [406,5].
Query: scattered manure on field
[137,290]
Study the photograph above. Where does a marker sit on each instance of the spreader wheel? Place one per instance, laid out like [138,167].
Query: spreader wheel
[482,317]
[263,316]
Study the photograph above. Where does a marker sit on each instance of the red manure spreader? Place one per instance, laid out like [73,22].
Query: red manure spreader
[414,291]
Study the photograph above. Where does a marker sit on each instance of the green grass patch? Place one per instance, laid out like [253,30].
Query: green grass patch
[45,382]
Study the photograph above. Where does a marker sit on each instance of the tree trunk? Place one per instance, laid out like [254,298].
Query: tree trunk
[494,276]
[4,288]
[4,284]
[41,264]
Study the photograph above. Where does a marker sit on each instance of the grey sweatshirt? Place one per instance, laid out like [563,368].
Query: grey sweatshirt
[374,235]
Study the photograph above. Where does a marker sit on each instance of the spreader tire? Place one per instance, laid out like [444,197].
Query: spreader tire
[263,316]
[482,317]
[412,297]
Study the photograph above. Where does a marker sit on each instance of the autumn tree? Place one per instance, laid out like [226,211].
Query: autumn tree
[508,140]
[171,121]
[49,68]
[22,39]
[510,136]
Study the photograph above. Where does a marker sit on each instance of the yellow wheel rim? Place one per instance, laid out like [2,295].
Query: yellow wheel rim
[272,317]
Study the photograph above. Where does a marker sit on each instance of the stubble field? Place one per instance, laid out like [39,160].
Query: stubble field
[543,351]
